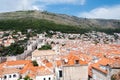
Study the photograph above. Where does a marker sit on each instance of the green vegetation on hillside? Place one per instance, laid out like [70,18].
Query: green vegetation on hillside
[42,25]
[37,25]
[13,49]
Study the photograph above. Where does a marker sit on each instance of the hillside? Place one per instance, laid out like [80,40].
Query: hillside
[43,21]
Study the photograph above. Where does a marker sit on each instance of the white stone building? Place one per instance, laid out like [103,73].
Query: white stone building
[40,55]
[10,74]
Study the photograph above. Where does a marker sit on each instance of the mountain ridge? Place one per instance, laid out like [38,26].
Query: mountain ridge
[62,19]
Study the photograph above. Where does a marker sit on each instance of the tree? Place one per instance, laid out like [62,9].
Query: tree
[35,63]
[113,77]
[13,49]
[45,47]
[27,78]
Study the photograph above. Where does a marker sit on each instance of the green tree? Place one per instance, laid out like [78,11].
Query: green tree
[45,47]
[35,63]
[27,78]
[113,77]
[13,49]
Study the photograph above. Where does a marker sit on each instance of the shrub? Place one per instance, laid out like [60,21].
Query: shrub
[45,47]
[35,63]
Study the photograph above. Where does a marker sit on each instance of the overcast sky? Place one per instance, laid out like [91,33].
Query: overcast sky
[108,9]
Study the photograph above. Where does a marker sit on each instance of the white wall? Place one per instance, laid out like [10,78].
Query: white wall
[57,72]
[76,72]
[46,77]
[12,77]
[29,47]
[98,75]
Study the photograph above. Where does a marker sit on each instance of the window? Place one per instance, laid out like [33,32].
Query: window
[44,79]
[9,76]
[49,78]
[76,61]
[5,77]
[20,67]
[60,73]
[14,75]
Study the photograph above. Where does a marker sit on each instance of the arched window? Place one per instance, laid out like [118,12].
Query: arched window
[14,75]
[5,77]
[9,76]
[49,78]
[76,61]
[44,79]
